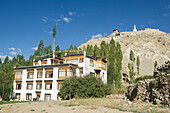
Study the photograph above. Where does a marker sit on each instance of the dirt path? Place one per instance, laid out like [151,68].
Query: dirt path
[52,107]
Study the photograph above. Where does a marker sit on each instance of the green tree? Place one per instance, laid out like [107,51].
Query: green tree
[131,66]
[103,49]
[138,64]
[40,49]
[48,50]
[84,87]
[57,49]
[155,64]
[54,34]
[111,66]
[96,52]
[0,61]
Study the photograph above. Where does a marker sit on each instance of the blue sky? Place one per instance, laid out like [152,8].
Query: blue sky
[23,23]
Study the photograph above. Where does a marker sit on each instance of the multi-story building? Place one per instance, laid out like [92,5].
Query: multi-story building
[43,80]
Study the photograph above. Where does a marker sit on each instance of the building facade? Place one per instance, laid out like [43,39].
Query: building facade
[43,80]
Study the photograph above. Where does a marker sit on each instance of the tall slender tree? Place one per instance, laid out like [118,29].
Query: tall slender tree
[57,49]
[155,64]
[0,61]
[138,64]
[54,34]
[131,66]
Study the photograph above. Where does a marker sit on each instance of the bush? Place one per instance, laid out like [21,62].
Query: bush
[84,87]
[143,78]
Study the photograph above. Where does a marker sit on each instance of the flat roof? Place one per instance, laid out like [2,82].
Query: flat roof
[86,56]
[73,55]
[46,66]
[47,57]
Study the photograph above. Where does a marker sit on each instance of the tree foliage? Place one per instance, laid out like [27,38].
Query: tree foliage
[138,64]
[84,87]
[110,51]
[131,66]
[155,64]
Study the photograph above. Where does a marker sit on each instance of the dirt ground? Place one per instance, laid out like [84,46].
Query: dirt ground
[52,107]
[92,105]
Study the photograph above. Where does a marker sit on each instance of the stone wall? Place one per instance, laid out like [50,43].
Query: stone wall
[156,91]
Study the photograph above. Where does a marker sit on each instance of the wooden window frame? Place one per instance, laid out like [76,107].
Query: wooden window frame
[49,73]
[81,60]
[28,94]
[29,73]
[18,83]
[38,72]
[48,83]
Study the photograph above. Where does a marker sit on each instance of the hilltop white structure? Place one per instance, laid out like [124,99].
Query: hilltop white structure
[43,80]
[134,28]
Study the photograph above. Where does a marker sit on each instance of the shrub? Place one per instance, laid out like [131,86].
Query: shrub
[84,87]
[143,78]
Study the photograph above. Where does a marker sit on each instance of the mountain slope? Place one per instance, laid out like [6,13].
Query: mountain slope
[150,45]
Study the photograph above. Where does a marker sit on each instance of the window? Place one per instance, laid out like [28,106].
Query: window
[29,86]
[60,86]
[65,73]
[47,97]
[91,62]
[98,64]
[18,96]
[29,96]
[18,74]
[81,60]
[39,74]
[48,86]
[49,74]
[30,75]
[18,85]
[39,86]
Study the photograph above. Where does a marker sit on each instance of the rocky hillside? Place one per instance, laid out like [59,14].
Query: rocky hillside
[150,45]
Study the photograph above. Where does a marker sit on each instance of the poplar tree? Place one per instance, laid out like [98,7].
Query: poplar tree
[0,61]
[155,64]
[54,34]
[57,51]
[138,64]
[131,66]
[96,52]
[40,49]
[111,66]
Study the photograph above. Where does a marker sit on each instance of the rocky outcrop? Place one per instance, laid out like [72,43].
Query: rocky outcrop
[156,91]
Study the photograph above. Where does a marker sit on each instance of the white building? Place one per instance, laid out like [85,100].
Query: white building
[43,80]
[134,28]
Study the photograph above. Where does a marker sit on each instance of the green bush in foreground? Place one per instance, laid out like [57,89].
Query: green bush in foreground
[84,87]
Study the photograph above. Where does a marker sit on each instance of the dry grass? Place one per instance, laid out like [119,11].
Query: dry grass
[116,103]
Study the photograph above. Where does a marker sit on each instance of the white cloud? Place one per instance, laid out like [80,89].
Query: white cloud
[121,24]
[35,48]
[13,53]
[168,7]
[50,32]
[45,19]
[70,13]
[97,36]
[13,49]
[3,56]
[166,14]
[19,50]
[153,21]
[67,20]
